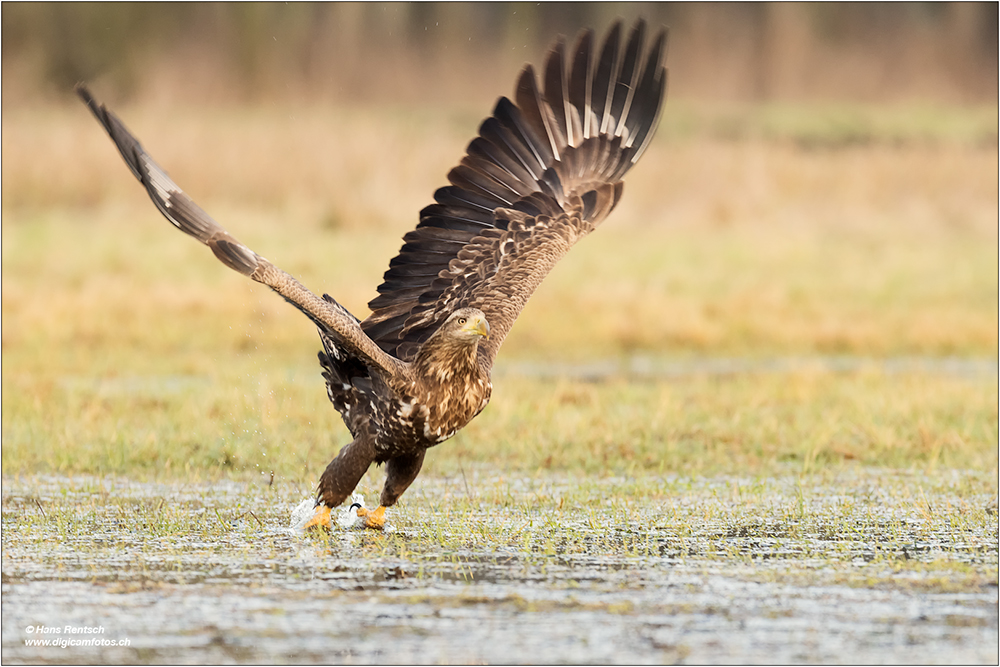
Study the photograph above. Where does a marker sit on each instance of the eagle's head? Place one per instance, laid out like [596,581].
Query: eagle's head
[451,351]
[466,325]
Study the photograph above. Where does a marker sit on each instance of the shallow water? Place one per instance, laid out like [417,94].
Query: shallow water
[534,570]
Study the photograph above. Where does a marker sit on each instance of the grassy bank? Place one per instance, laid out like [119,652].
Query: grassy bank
[128,349]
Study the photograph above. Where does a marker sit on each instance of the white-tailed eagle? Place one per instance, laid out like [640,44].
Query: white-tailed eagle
[545,170]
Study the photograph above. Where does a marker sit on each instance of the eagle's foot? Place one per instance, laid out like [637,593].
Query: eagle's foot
[321,519]
[373,518]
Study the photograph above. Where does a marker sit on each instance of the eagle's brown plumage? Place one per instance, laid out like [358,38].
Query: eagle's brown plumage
[544,171]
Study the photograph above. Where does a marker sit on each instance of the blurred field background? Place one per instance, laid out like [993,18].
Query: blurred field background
[823,185]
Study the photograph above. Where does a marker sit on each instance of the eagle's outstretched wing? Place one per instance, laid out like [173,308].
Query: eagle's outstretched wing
[333,319]
[544,171]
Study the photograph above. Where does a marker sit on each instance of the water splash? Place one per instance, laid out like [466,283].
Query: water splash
[348,518]
[301,515]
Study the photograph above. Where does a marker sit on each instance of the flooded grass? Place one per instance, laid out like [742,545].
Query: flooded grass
[874,566]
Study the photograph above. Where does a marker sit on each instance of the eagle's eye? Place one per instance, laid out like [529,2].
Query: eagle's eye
[461,321]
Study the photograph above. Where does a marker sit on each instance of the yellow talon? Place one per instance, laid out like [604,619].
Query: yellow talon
[373,518]
[321,519]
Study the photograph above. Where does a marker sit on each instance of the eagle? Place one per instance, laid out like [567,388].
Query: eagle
[544,171]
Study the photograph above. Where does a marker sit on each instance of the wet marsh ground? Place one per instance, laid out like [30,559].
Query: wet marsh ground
[753,419]
[862,566]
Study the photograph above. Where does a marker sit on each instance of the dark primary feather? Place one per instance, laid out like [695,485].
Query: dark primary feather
[551,163]
[580,85]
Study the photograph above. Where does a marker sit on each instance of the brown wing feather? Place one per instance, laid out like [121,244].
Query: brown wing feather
[333,319]
[541,175]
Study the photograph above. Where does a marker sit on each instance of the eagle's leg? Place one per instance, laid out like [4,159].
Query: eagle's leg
[340,478]
[399,474]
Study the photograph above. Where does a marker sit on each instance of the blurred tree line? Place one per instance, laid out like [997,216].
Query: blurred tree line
[238,52]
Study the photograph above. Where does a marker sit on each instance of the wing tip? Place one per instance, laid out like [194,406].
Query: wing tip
[81,90]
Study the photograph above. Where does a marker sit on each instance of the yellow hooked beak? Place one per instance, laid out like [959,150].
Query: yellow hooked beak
[478,325]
